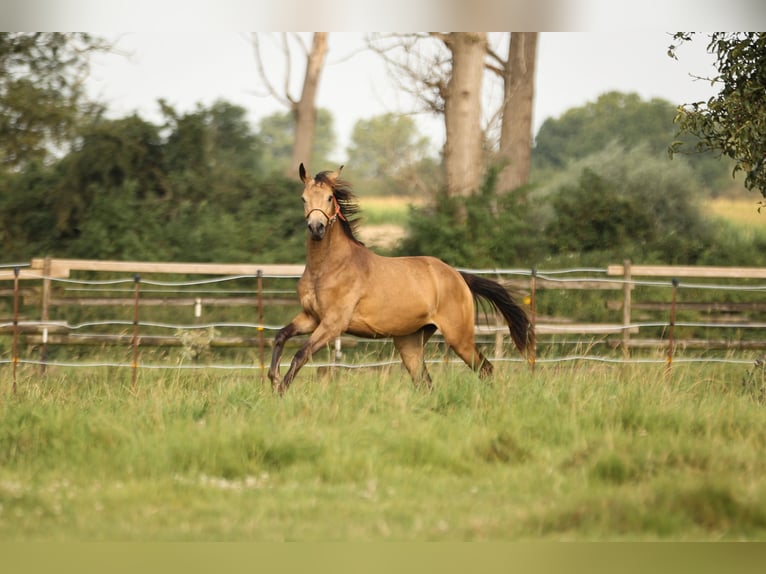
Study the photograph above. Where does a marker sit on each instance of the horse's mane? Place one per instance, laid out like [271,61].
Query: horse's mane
[349,206]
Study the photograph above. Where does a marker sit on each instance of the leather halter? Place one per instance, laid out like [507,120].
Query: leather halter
[330,220]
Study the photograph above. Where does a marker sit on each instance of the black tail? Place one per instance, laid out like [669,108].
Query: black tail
[521,332]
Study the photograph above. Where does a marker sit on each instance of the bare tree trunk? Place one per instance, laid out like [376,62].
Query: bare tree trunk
[462,112]
[516,129]
[304,109]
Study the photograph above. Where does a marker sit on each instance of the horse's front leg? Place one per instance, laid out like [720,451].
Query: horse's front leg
[323,334]
[302,324]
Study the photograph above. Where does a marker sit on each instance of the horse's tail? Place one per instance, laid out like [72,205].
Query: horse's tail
[518,323]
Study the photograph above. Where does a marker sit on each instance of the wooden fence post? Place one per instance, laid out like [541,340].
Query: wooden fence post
[45,311]
[626,311]
[671,329]
[134,342]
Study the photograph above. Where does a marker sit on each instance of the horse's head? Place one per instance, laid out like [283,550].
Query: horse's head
[320,206]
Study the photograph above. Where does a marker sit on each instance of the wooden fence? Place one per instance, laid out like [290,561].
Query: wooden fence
[37,296]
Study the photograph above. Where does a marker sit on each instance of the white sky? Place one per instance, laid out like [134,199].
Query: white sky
[573,68]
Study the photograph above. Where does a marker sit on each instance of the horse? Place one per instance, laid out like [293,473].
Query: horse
[347,288]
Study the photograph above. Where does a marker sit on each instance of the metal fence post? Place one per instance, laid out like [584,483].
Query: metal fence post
[261,356]
[533,318]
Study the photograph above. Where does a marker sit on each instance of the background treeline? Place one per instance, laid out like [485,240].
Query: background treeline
[602,188]
[208,186]
[194,188]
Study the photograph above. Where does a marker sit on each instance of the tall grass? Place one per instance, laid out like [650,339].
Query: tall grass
[586,452]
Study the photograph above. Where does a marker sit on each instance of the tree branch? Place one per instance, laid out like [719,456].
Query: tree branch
[271,91]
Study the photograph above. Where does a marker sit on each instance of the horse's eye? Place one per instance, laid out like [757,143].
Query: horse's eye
[303,199]
[329,198]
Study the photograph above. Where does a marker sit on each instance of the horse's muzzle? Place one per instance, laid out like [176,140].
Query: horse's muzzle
[317,229]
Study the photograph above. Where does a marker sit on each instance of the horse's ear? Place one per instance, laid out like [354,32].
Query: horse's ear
[334,175]
[302,172]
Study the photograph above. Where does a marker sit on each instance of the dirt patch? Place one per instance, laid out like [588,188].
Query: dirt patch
[385,235]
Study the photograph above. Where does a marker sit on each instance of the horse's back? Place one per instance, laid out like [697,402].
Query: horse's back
[403,294]
[420,273]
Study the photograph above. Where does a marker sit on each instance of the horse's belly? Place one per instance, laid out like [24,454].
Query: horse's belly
[388,320]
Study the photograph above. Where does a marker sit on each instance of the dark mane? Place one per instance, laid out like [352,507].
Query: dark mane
[349,206]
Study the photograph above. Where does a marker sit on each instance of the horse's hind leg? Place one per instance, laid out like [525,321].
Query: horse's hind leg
[463,344]
[411,349]
[475,359]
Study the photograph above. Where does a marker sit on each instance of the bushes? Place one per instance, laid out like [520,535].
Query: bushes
[499,230]
[636,207]
[193,190]
[608,207]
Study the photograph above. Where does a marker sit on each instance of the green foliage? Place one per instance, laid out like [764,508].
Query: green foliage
[619,205]
[733,122]
[41,92]
[192,190]
[390,157]
[629,205]
[498,230]
[112,159]
[27,214]
[202,186]
[621,120]
[277,133]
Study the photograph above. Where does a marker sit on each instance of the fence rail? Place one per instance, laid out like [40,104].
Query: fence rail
[733,310]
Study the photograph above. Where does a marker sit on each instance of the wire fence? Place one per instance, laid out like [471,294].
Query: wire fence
[561,340]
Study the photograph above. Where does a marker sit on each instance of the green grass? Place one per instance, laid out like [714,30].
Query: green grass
[574,453]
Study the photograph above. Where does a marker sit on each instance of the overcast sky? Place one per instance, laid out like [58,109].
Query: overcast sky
[572,69]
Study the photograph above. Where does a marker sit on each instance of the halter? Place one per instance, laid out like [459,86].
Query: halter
[330,220]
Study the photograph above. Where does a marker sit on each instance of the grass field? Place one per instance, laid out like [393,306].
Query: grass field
[741,211]
[577,453]
[394,210]
[586,452]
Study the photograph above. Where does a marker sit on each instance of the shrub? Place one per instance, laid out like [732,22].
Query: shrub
[499,229]
[629,205]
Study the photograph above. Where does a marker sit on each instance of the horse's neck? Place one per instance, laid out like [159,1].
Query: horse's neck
[328,252]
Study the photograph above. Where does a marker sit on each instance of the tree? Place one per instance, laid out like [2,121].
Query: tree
[463,147]
[277,132]
[617,118]
[191,189]
[41,92]
[207,151]
[614,118]
[733,122]
[113,160]
[518,75]
[446,77]
[302,108]
[387,153]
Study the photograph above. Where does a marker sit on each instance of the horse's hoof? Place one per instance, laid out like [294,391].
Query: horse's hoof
[279,388]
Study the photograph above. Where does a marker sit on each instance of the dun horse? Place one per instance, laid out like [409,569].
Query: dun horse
[346,288]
